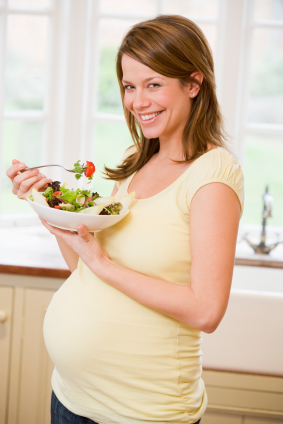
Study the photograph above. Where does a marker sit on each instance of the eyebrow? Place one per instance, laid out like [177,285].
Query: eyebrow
[146,80]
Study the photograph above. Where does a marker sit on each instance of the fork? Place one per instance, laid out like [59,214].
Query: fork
[44,166]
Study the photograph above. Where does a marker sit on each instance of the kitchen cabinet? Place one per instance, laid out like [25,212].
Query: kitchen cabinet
[243,398]
[224,418]
[6,299]
[25,367]
[32,405]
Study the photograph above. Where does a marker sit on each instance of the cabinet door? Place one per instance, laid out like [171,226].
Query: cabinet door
[220,418]
[258,420]
[6,296]
[36,366]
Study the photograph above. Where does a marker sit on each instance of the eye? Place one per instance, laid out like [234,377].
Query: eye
[154,85]
[128,87]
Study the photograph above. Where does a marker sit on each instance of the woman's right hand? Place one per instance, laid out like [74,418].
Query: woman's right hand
[23,183]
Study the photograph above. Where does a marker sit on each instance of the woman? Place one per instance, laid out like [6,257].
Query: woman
[124,331]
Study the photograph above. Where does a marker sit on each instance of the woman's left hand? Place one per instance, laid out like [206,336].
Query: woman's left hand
[83,243]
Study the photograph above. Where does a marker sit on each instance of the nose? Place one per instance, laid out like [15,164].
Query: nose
[141,100]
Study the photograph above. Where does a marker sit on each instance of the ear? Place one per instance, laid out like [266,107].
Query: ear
[193,86]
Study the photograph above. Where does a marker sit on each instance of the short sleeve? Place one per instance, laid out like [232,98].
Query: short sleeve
[129,151]
[216,166]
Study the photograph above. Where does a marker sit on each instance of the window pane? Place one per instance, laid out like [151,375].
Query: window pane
[204,8]
[111,34]
[26,62]
[210,32]
[263,165]
[147,7]
[111,141]
[22,141]
[269,9]
[29,3]
[266,90]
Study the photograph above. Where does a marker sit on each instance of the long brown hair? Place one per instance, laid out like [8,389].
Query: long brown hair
[175,47]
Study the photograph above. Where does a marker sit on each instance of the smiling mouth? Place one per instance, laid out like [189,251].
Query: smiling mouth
[150,117]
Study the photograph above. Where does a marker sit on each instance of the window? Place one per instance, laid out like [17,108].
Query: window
[60,99]
[263,101]
[24,53]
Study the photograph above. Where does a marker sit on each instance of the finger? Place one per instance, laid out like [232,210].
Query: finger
[24,177]
[38,182]
[84,233]
[22,189]
[42,184]
[15,168]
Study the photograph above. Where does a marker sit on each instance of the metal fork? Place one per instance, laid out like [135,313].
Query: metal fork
[44,166]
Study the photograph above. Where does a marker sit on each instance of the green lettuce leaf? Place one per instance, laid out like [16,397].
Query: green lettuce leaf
[68,195]
[48,193]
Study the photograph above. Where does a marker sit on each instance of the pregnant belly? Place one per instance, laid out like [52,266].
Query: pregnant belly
[106,346]
[92,328]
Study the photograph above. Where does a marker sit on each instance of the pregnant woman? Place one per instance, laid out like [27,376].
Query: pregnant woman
[124,331]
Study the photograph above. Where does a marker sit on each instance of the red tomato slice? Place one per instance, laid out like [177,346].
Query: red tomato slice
[57,193]
[56,207]
[46,200]
[89,199]
[90,169]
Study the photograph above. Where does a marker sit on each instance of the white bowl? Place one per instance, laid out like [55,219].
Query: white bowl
[70,220]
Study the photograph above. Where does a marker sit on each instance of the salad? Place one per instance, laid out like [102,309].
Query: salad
[80,200]
[60,197]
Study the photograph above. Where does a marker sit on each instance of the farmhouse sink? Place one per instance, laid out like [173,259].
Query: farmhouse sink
[250,336]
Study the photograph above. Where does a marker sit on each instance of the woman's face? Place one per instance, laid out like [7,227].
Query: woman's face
[160,104]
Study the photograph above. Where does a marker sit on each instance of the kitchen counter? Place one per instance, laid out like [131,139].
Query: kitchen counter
[34,251]
[31,251]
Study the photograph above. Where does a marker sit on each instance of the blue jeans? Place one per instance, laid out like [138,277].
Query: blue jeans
[61,415]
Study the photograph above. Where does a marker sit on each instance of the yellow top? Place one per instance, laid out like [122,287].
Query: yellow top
[116,360]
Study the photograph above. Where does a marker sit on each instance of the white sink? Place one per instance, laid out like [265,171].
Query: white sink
[250,336]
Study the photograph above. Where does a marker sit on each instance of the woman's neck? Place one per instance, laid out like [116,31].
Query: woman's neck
[170,149]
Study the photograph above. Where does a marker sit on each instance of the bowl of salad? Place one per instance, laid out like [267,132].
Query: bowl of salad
[67,208]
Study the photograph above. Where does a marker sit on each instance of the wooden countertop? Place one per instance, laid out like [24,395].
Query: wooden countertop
[34,251]
[31,251]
